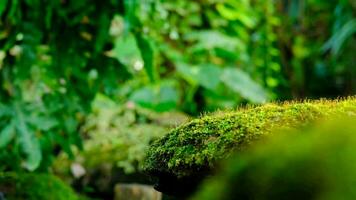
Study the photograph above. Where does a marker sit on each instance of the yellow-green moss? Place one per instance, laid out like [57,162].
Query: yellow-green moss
[318,163]
[33,186]
[190,151]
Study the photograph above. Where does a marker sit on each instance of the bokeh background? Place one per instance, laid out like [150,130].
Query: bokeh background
[90,82]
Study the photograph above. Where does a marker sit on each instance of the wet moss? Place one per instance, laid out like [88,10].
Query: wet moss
[315,164]
[178,161]
[33,186]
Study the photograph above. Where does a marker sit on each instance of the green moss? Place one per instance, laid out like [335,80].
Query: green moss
[189,152]
[318,163]
[32,186]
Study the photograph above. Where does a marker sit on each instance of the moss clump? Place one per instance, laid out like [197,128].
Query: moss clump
[32,186]
[188,153]
[316,164]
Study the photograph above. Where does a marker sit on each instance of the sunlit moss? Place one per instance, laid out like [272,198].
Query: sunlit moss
[190,151]
[318,163]
[33,186]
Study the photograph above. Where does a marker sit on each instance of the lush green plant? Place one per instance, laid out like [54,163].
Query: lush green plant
[190,56]
[316,42]
[116,140]
[189,152]
[119,135]
[33,186]
[51,58]
[317,163]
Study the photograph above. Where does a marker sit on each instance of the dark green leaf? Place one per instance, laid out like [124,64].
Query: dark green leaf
[147,54]
[3,5]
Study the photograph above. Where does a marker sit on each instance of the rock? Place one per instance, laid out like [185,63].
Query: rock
[179,161]
[136,192]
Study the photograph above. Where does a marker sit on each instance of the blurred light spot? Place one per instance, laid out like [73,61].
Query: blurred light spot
[174,35]
[138,65]
[19,37]
[93,74]
[15,50]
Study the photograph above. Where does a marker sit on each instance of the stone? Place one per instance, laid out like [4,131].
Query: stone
[136,192]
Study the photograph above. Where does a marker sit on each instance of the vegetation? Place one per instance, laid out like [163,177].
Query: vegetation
[123,135]
[33,186]
[189,152]
[314,164]
[117,139]
[162,55]
[147,61]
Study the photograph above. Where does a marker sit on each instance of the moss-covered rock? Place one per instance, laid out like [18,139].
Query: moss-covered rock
[316,164]
[179,161]
[33,186]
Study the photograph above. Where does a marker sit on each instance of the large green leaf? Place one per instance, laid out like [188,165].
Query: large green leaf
[163,98]
[206,75]
[240,82]
[127,51]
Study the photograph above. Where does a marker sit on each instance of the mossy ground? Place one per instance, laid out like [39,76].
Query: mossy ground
[190,151]
[33,186]
[315,164]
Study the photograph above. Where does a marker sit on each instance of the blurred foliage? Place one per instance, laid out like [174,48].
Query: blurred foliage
[33,186]
[190,56]
[316,163]
[119,135]
[117,138]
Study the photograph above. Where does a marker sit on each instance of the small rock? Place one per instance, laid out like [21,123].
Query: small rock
[77,170]
[136,192]
[2,196]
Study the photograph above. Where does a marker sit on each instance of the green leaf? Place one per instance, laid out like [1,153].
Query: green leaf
[239,11]
[210,39]
[5,110]
[7,134]
[28,142]
[240,82]
[130,14]
[43,123]
[339,38]
[163,98]
[3,6]
[102,33]
[127,51]
[147,54]
[206,75]
[14,7]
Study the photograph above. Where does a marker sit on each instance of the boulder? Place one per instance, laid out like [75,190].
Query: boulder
[187,154]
